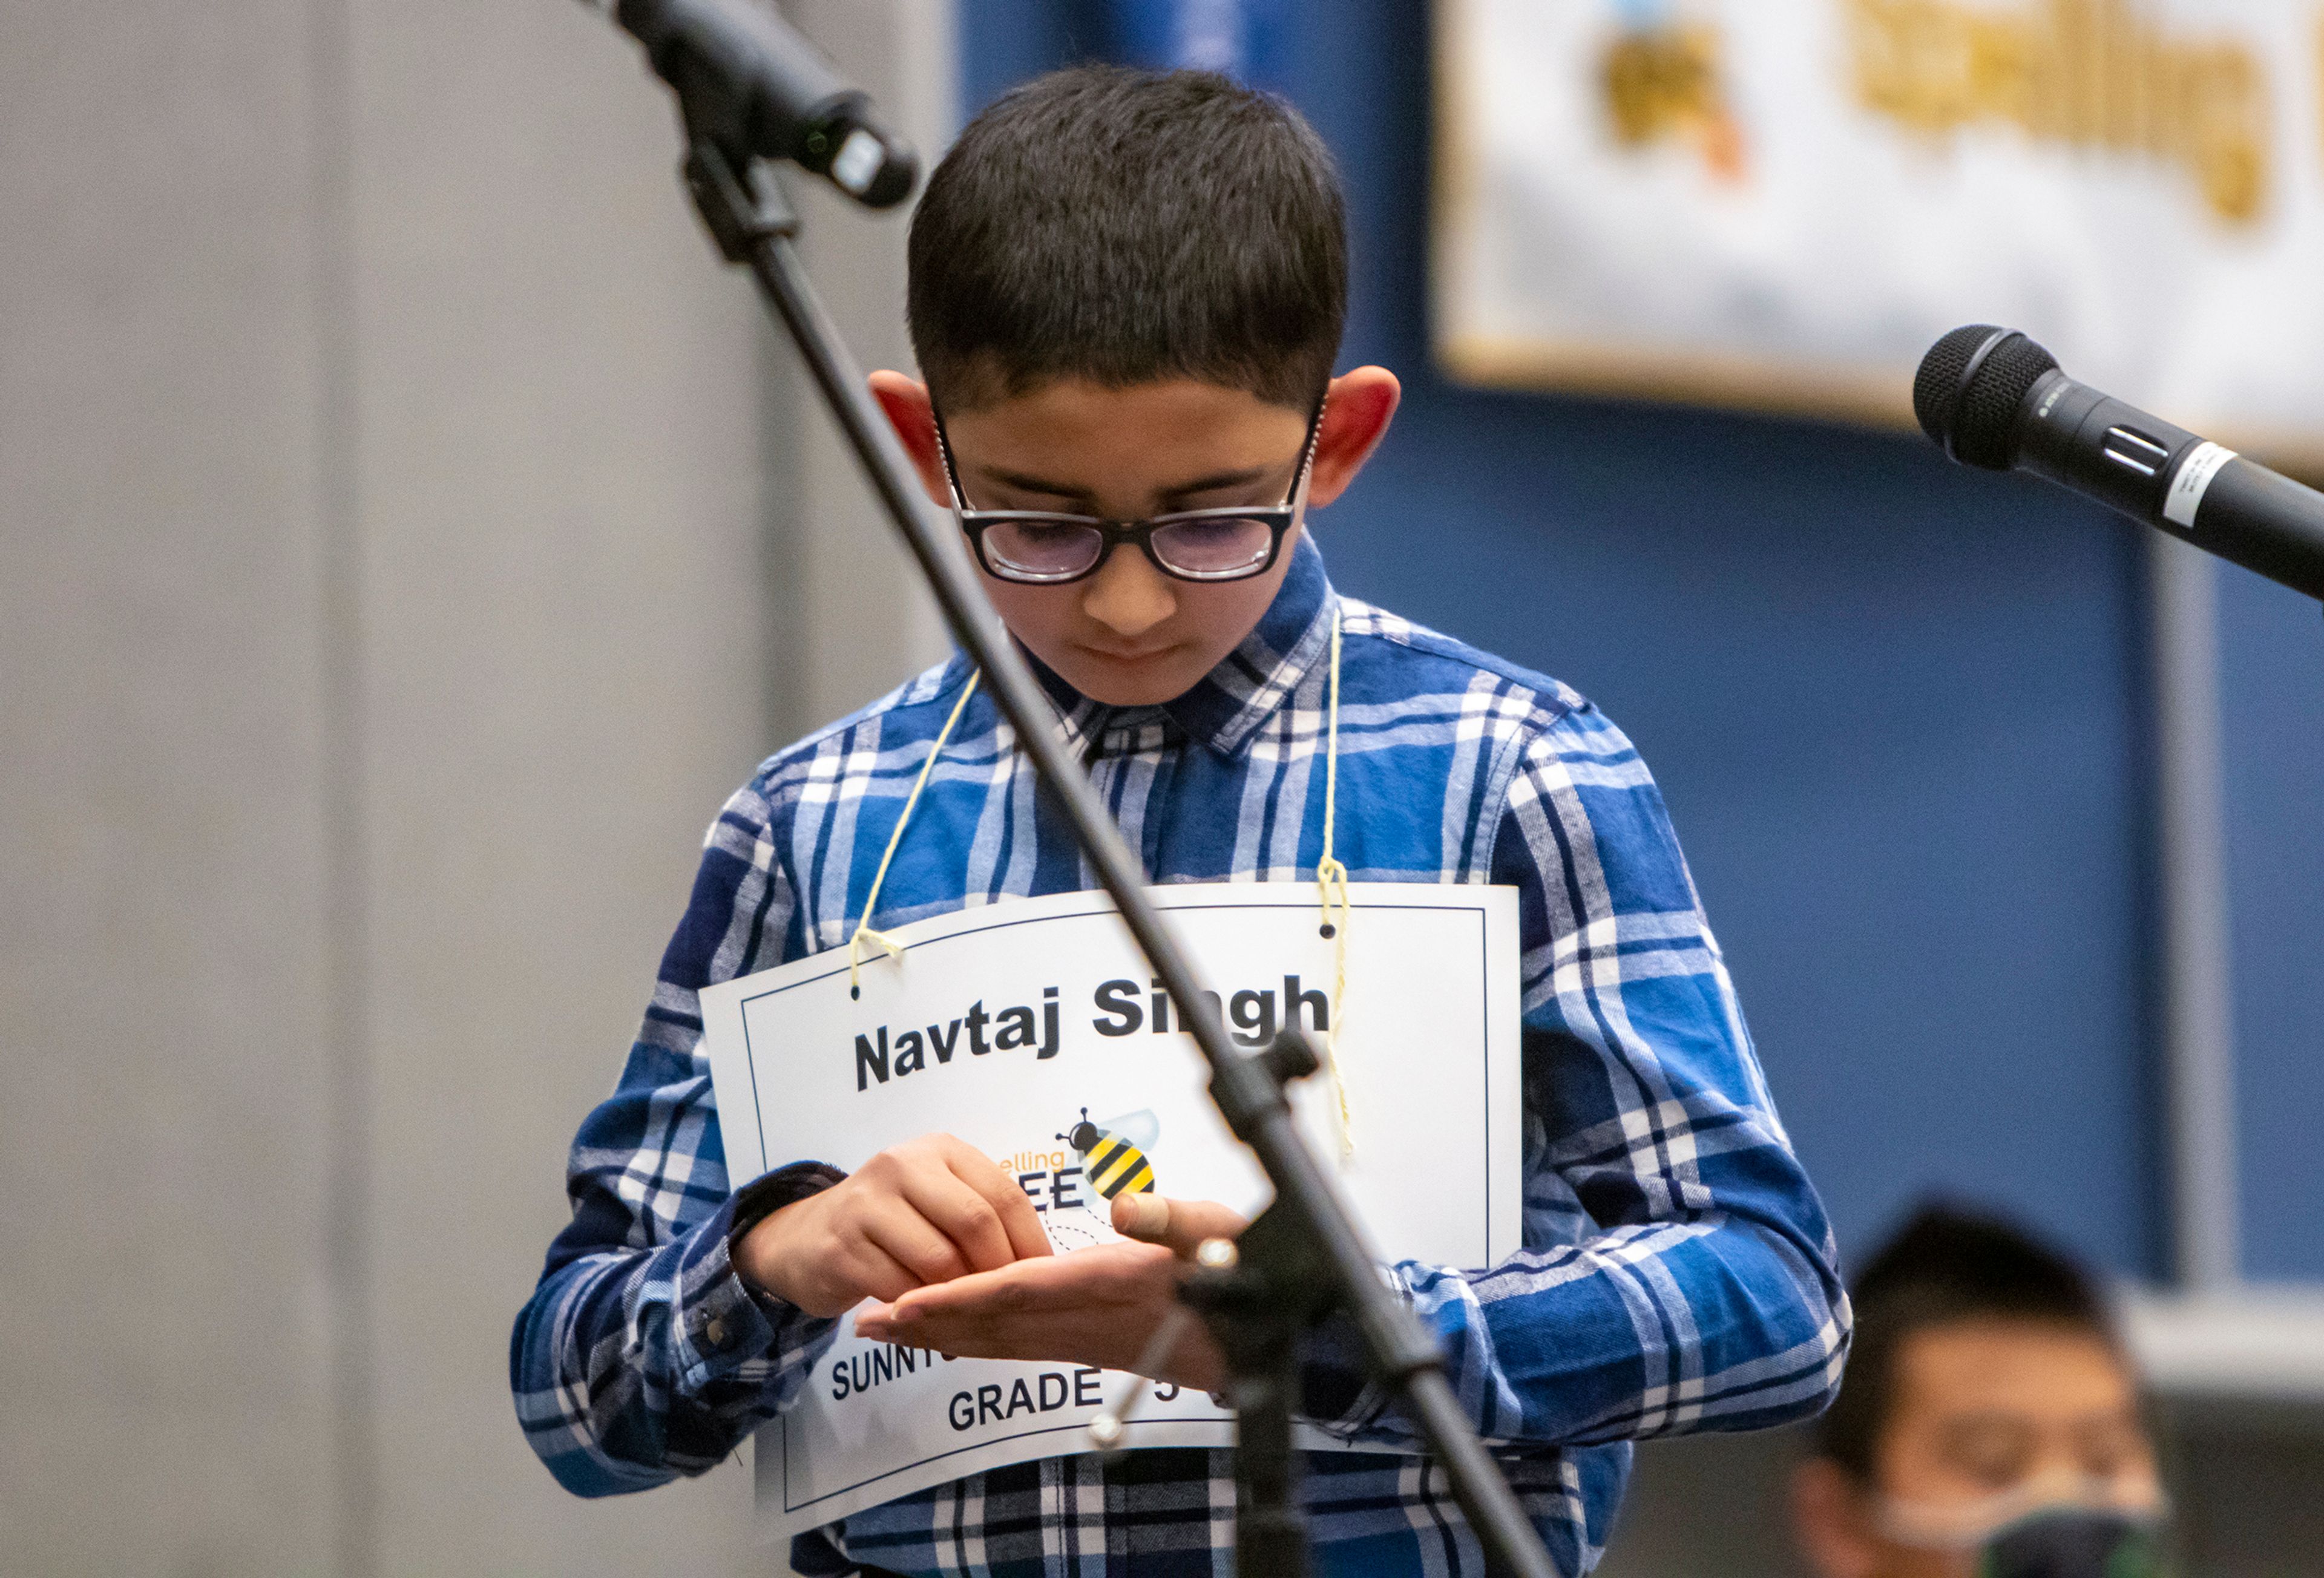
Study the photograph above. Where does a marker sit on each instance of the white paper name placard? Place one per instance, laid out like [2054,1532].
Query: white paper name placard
[1010,1025]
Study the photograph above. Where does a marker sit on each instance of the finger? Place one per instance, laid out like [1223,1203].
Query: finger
[1109,1336]
[1109,1276]
[970,1221]
[1179,1225]
[1027,1241]
[913,1241]
[869,1272]
[1015,1318]
[1066,1339]
[982,1294]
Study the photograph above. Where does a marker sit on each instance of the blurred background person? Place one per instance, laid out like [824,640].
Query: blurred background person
[1990,1422]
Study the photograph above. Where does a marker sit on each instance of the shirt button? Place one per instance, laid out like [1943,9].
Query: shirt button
[716,1332]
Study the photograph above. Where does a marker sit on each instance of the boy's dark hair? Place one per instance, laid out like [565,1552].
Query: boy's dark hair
[1123,226]
[1944,1266]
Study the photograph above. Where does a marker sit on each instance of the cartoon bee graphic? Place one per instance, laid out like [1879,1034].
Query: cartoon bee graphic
[1113,1153]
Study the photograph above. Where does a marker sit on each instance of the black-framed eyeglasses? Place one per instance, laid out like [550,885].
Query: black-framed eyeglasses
[1041,547]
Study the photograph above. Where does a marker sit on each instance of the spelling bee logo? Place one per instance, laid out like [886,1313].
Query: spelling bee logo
[1114,1151]
[1662,81]
[1069,1188]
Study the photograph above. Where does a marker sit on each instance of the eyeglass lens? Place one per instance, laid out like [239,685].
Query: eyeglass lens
[1211,547]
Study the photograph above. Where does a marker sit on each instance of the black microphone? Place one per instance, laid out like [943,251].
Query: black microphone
[1991,397]
[750,85]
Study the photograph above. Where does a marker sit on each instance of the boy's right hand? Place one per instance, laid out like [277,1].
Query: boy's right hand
[926,1211]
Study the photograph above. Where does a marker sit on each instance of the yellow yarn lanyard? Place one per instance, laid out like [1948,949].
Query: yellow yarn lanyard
[863,932]
[1332,886]
[1331,881]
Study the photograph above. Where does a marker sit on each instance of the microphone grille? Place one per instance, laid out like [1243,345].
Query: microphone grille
[1934,386]
[1974,421]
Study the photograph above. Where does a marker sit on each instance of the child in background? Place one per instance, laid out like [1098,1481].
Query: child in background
[1990,1422]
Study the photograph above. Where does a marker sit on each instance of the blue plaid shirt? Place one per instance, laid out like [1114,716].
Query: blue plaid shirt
[1678,1271]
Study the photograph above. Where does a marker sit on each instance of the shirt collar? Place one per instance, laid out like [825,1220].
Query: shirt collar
[1229,703]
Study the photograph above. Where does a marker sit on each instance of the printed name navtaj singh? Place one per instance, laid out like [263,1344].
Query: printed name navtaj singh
[1124,1008]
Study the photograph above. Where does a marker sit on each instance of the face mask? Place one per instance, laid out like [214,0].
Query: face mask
[2053,1528]
[2067,1542]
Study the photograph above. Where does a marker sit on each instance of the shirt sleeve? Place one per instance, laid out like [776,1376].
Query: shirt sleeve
[1679,1273]
[641,1355]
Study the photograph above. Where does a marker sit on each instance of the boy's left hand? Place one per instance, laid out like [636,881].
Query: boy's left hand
[1098,1307]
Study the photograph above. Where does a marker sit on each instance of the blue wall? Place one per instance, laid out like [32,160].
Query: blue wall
[2272,658]
[1898,709]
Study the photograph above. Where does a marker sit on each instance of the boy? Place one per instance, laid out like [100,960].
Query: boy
[1127,294]
[1990,1422]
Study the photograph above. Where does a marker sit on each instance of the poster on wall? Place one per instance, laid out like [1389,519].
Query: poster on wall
[1782,203]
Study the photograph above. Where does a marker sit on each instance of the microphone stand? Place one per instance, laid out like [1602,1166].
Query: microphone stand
[1304,1257]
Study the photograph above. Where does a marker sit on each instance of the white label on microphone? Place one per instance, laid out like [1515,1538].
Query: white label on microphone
[858,160]
[2191,481]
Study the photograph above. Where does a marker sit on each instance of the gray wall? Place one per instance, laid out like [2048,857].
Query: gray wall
[847,568]
[396,571]
[163,914]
